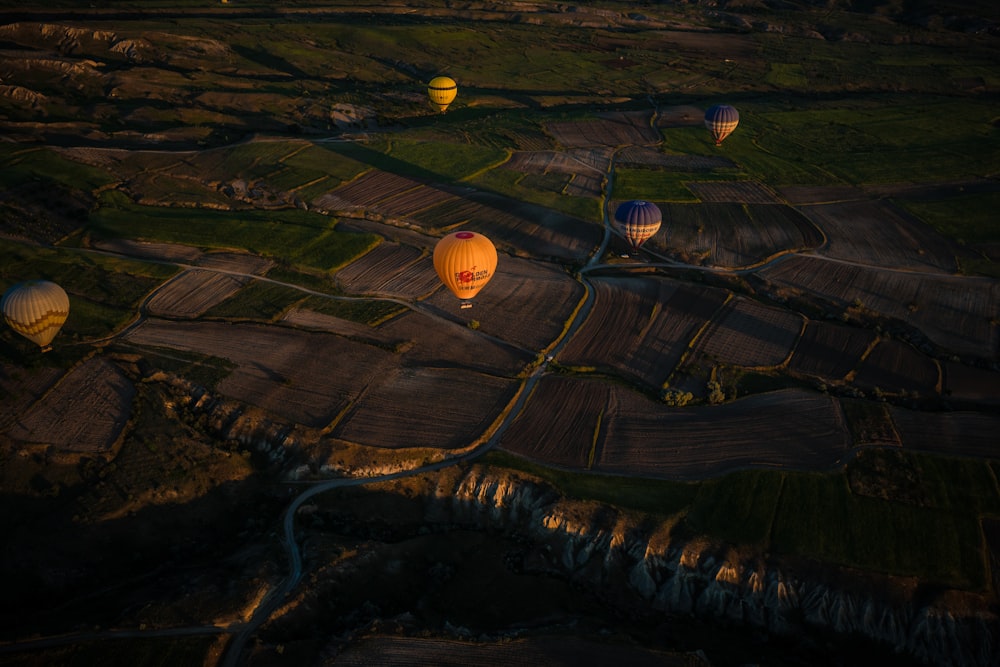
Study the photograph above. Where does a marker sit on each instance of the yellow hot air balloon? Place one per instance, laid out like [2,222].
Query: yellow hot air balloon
[36,309]
[465,262]
[442,90]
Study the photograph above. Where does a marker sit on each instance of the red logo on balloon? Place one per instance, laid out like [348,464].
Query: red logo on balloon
[466,276]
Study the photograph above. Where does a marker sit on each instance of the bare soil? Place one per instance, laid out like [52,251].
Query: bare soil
[897,368]
[391,269]
[955,312]
[629,432]
[732,235]
[191,293]
[951,434]
[84,413]
[749,334]
[426,407]
[609,129]
[304,377]
[828,350]
[879,233]
[641,327]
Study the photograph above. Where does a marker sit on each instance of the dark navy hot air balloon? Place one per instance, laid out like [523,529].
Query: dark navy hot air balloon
[721,120]
[638,220]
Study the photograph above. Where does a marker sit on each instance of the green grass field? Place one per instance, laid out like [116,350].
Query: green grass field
[294,236]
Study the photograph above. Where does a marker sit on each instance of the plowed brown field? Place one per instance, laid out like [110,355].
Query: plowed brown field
[20,387]
[432,342]
[609,129]
[640,327]
[740,192]
[391,269]
[632,434]
[951,433]
[651,157]
[192,292]
[84,412]
[790,428]
[829,351]
[170,252]
[896,367]
[881,234]
[821,194]
[237,262]
[527,229]
[371,187]
[560,424]
[409,202]
[734,235]
[749,334]
[955,312]
[426,407]
[965,383]
[301,376]
[566,162]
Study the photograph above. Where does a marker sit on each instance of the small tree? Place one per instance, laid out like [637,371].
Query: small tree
[676,397]
[715,393]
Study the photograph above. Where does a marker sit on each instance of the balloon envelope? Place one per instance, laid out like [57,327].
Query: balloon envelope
[465,262]
[721,120]
[638,220]
[36,309]
[442,90]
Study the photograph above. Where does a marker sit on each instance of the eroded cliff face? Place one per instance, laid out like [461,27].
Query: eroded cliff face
[601,547]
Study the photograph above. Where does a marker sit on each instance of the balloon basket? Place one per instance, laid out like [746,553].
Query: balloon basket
[466,304]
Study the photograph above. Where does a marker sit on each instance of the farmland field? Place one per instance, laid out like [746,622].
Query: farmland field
[878,233]
[829,350]
[193,292]
[641,327]
[63,420]
[955,312]
[748,334]
[389,269]
[440,408]
[733,235]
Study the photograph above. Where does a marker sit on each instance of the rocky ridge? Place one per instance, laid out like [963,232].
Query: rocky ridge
[598,546]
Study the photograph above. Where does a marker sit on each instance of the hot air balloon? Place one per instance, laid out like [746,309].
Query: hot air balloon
[36,309]
[442,91]
[721,120]
[638,220]
[465,262]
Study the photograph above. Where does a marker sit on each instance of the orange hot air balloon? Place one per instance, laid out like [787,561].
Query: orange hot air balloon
[36,309]
[442,90]
[465,262]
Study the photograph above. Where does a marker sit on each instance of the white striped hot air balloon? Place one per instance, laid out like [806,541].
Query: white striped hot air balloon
[721,120]
[36,309]
[638,220]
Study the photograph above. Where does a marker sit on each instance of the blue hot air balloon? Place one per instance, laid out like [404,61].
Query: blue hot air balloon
[638,220]
[721,120]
